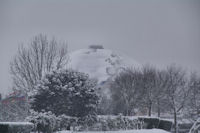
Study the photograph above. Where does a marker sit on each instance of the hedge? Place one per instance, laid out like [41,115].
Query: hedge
[15,127]
[150,123]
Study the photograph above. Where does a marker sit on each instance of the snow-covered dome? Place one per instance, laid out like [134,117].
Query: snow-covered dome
[100,63]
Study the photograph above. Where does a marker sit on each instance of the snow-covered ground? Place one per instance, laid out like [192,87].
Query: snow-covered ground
[126,131]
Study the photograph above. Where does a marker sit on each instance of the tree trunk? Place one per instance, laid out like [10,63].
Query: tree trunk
[158,108]
[127,112]
[175,121]
[150,109]
[127,108]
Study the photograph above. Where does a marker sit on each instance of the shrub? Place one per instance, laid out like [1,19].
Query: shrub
[44,121]
[112,124]
[66,122]
[87,122]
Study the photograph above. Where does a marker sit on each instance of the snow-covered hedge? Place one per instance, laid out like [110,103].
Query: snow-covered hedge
[48,122]
[112,123]
[151,122]
[15,127]
[45,122]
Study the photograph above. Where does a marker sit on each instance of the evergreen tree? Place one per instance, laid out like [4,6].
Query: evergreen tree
[66,92]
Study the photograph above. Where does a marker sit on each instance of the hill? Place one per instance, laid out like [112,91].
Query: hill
[100,63]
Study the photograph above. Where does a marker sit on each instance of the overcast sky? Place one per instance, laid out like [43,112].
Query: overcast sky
[159,32]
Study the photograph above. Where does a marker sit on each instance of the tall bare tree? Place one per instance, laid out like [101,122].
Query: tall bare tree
[154,82]
[176,91]
[149,80]
[160,104]
[193,105]
[126,91]
[41,56]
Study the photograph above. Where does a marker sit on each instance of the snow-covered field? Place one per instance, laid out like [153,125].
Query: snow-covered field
[127,131]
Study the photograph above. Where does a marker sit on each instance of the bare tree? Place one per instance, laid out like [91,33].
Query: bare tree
[160,104]
[126,91]
[176,90]
[153,85]
[193,105]
[135,89]
[149,79]
[41,56]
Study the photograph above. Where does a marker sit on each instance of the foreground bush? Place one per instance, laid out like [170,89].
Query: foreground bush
[66,122]
[44,122]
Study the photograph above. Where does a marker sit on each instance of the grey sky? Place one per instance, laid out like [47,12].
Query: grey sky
[159,32]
